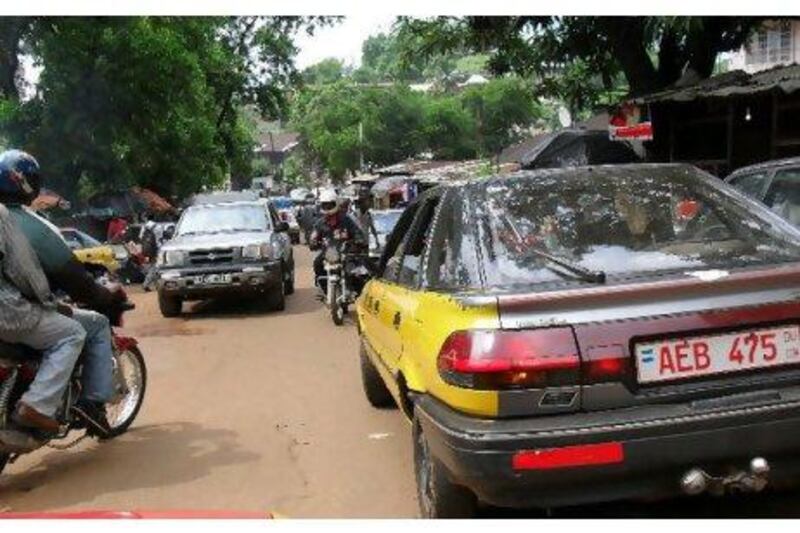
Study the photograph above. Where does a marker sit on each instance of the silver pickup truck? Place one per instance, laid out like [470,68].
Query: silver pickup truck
[238,248]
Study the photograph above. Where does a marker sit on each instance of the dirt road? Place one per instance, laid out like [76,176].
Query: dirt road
[245,410]
[255,410]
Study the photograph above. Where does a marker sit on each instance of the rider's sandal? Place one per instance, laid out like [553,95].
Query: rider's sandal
[93,427]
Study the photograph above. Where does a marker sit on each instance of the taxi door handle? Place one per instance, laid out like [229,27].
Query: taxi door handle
[397,319]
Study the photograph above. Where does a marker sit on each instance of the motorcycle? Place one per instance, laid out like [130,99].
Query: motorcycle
[18,367]
[345,276]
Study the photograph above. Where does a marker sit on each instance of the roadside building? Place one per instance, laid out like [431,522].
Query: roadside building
[275,147]
[776,43]
[727,121]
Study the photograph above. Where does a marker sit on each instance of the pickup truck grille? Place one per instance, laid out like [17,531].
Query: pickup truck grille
[219,256]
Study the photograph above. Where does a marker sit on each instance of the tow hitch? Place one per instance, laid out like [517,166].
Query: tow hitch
[696,481]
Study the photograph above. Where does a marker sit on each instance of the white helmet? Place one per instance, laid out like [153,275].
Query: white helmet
[328,201]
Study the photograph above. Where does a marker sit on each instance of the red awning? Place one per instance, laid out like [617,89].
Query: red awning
[154,201]
[49,200]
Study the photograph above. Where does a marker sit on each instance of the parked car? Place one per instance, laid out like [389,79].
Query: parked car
[98,258]
[226,249]
[384,221]
[775,183]
[570,336]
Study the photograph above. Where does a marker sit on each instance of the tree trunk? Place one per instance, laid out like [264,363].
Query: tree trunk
[671,59]
[12,29]
[627,38]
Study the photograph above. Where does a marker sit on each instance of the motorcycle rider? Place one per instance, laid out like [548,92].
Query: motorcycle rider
[67,274]
[334,223]
[29,315]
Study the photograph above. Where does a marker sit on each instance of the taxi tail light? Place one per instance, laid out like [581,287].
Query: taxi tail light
[510,359]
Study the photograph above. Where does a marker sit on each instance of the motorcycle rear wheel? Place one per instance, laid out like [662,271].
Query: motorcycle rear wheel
[4,457]
[122,413]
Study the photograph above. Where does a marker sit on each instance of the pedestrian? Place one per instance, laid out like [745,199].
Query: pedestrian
[117,229]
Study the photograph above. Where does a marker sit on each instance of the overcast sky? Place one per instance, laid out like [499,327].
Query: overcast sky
[342,41]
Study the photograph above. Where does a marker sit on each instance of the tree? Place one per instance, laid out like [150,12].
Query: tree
[328,70]
[382,61]
[13,31]
[327,118]
[450,130]
[504,109]
[392,123]
[146,119]
[154,101]
[605,45]
[333,119]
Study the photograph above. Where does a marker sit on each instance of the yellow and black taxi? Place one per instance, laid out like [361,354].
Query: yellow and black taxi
[96,256]
[578,335]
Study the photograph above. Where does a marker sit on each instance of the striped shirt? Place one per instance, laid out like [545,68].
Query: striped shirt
[24,291]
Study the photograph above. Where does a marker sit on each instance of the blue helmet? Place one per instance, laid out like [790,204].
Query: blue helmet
[20,180]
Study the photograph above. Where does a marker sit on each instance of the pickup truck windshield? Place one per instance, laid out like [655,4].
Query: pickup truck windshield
[223,219]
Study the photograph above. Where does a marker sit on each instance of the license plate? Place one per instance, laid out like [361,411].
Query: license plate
[692,357]
[213,279]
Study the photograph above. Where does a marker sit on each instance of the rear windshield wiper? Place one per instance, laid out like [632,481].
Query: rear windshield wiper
[583,273]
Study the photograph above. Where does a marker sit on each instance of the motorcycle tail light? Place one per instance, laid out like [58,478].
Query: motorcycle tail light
[510,359]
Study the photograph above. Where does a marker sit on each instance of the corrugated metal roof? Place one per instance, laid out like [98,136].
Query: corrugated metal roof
[282,141]
[413,166]
[737,82]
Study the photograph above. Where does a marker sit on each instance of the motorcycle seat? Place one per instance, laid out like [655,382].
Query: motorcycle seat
[17,352]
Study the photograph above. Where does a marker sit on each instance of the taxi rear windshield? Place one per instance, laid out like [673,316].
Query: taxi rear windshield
[622,224]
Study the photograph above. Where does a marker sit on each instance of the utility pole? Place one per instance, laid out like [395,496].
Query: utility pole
[361,146]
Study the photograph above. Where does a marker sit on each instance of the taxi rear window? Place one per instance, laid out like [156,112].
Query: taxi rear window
[620,224]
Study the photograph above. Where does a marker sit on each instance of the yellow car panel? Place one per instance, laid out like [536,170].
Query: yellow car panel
[410,346]
[99,255]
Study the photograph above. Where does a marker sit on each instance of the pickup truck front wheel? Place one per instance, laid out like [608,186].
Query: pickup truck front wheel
[170,306]
[288,284]
[277,297]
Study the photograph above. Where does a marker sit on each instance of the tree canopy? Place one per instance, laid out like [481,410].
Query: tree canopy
[341,123]
[329,70]
[382,61]
[153,101]
[650,52]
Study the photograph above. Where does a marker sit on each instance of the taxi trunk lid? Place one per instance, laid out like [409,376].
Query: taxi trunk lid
[610,321]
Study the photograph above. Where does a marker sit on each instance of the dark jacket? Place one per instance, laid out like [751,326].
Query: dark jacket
[344,227]
[63,270]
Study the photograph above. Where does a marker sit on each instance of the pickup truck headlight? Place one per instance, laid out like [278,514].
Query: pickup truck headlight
[173,258]
[257,251]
